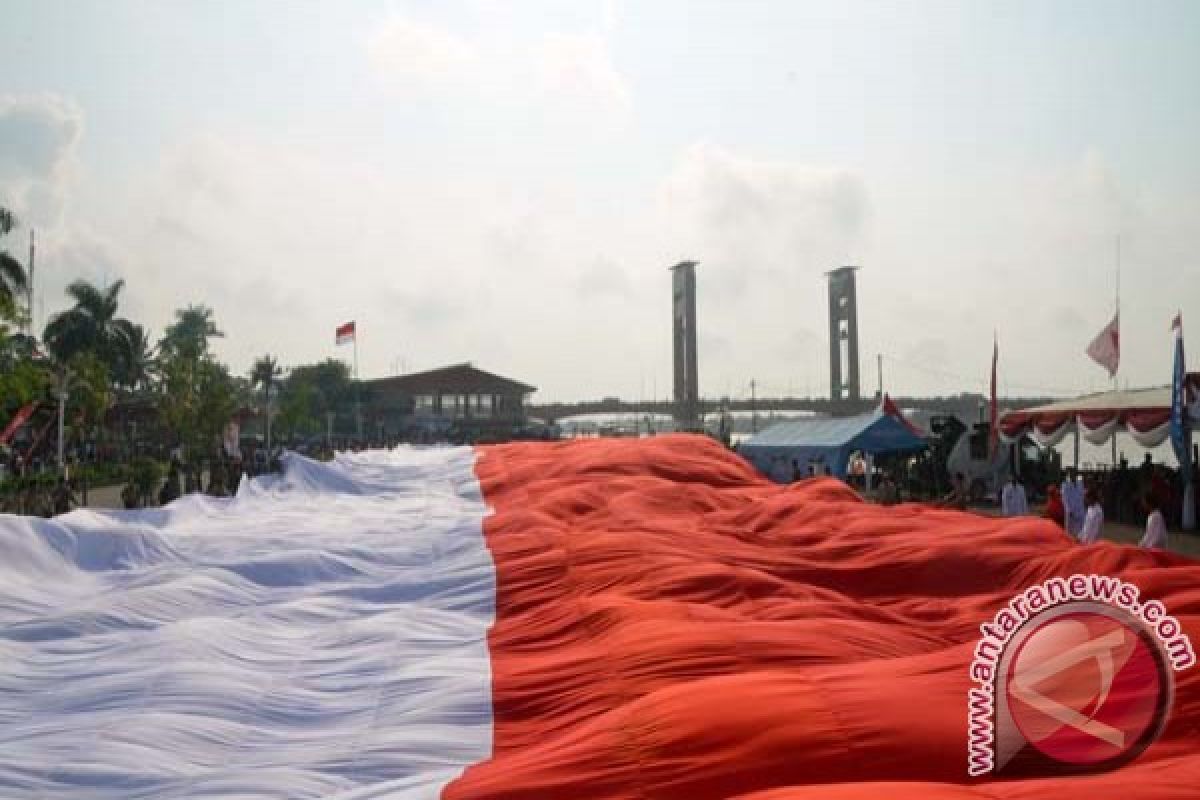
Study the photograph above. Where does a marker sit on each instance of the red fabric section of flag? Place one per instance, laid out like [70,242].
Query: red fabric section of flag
[345,330]
[1105,349]
[671,626]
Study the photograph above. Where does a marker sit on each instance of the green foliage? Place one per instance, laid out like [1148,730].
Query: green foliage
[198,400]
[22,380]
[89,395]
[296,405]
[134,362]
[310,392]
[145,474]
[92,326]
[330,380]
[187,337]
[13,281]
[265,374]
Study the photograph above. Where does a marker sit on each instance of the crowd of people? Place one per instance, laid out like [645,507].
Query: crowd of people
[1078,506]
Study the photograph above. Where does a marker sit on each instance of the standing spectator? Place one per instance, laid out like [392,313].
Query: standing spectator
[1054,505]
[1073,496]
[1156,527]
[1013,502]
[959,493]
[1093,521]
[61,499]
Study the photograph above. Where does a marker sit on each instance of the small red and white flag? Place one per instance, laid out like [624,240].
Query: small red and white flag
[345,333]
[1105,349]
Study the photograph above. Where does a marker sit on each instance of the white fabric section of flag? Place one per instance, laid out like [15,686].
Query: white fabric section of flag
[322,634]
[1105,349]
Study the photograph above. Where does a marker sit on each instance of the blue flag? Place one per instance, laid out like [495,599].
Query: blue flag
[1180,438]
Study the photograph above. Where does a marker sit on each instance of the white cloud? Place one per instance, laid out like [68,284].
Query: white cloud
[409,52]
[764,218]
[579,68]
[569,72]
[38,139]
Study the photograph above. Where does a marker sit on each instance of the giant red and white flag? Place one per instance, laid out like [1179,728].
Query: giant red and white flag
[345,333]
[1105,349]
[606,619]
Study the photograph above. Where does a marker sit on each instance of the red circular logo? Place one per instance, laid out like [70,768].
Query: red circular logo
[1088,687]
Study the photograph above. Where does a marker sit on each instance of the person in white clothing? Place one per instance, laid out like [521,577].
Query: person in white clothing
[1073,502]
[1156,527]
[1093,520]
[1013,502]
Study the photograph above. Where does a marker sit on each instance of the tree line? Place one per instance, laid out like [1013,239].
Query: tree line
[91,359]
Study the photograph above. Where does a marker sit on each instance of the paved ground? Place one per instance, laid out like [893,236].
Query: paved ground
[1177,541]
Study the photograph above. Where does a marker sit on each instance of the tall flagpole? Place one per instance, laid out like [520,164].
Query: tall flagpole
[357,388]
[1113,459]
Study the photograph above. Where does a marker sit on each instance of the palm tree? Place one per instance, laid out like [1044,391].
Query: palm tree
[13,282]
[135,356]
[188,335]
[91,326]
[266,373]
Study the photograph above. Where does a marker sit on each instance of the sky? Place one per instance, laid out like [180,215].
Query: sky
[506,183]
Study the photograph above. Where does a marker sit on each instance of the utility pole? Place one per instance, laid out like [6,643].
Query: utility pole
[30,322]
[357,392]
[879,368]
[64,383]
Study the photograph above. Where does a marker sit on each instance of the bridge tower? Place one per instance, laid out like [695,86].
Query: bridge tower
[844,387]
[683,316]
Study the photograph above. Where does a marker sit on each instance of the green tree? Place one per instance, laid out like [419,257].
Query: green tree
[135,357]
[13,282]
[22,380]
[90,326]
[332,387]
[188,335]
[296,403]
[199,395]
[265,375]
[198,399]
[89,397]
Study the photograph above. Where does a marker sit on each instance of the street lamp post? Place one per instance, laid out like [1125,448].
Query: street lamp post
[268,412]
[64,384]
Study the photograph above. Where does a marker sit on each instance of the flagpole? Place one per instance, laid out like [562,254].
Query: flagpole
[1113,458]
[357,389]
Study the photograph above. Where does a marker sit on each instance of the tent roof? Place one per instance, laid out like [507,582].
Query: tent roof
[1151,402]
[875,432]
[1158,397]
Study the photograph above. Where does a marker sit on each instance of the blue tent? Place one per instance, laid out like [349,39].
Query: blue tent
[828,442]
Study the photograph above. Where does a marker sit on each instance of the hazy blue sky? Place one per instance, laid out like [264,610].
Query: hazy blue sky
[507,182]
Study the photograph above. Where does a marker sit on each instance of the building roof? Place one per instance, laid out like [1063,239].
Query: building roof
[463,378]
